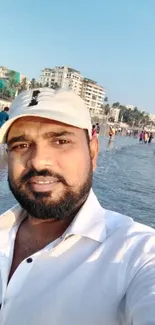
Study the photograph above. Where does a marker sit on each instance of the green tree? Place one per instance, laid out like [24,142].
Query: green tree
[12,79]
[11,84]
[111,119]
[133,117]
[107,109]
[5,93]
[115,105]
[47,84]
[54,85]
[106,99]
[123,109]
[22,86]
[33,83]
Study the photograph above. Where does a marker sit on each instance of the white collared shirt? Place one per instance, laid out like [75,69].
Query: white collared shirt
[101,272]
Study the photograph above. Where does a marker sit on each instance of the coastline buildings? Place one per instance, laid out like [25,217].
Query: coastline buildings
[64,77]
[6,74]
[130,107]
[3,72]
[93,95]
[114,114]
[68,78]
[10,83]
[152,118]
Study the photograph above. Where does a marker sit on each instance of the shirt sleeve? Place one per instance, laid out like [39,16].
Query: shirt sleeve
[140,296]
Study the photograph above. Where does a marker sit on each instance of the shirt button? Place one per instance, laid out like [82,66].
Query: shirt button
[29,260]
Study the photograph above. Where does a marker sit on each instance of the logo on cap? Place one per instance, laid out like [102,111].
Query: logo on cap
[34,100]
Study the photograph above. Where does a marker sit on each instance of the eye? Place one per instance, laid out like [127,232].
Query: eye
[19,147]
[61,142]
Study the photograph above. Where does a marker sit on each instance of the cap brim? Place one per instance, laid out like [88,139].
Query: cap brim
[55,115]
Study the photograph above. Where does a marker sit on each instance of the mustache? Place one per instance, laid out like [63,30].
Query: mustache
[44,172]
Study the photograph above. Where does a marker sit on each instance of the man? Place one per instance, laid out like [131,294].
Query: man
[111,132]
[4,116]
[141,137]
[150,137]
[94,133]
[97,129]
[64,260]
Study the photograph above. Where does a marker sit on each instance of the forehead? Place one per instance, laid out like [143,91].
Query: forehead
[37,125]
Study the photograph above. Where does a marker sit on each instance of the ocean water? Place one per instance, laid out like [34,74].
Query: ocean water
[124,180]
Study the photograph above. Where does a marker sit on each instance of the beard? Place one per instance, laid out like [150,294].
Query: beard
[40,204]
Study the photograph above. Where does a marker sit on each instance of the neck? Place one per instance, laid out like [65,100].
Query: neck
[49,229]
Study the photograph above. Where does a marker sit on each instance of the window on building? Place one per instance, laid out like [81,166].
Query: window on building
[94,97]
[93,104]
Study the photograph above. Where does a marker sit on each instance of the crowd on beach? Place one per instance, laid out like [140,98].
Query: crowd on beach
[95,130]
[145,137]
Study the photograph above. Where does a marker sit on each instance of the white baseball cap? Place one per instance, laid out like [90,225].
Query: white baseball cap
[59,105]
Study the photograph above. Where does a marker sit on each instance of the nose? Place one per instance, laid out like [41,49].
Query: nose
[40,157]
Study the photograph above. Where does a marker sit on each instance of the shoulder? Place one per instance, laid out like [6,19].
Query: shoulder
[128,234]
[117,222]
[112,226]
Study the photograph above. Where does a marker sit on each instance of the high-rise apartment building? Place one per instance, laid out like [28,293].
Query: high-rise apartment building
[64,77]
[68,78]
[93,95]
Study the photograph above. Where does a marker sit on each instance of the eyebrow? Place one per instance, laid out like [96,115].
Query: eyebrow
[16,139]
[53,134]
[45,136]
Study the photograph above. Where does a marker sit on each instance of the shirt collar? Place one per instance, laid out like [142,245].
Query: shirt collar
[89,221]
[12,217]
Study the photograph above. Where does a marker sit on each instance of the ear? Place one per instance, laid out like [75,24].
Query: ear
[94,149]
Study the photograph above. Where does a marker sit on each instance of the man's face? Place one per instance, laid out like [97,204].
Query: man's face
[50,166]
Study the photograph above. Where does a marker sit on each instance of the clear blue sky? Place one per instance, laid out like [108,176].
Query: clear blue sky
[111,41]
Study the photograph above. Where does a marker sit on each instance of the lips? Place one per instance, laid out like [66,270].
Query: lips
[42,183]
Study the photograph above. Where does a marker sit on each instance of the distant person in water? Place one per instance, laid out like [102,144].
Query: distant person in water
[141,137]
[94,132]
[111,132]
[97,129]
[146,138]
[4,116]
[150,137]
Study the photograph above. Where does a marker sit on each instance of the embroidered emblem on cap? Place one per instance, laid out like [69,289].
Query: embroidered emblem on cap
[34,100]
